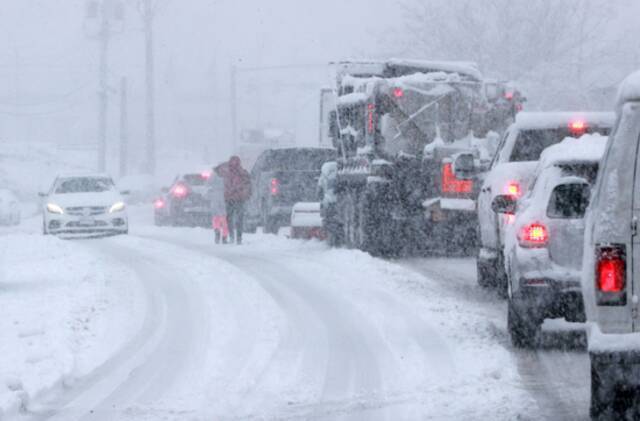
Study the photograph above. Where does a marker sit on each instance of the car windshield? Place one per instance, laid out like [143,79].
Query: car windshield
[84,185]
[530,143]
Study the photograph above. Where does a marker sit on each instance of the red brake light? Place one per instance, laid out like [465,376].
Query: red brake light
[451,184]
[508,95]
[533,235]
[205,175]
[513,189]
[578,127]
[398,92]
[158,204]
[180,191]
[275,186]
[610,275]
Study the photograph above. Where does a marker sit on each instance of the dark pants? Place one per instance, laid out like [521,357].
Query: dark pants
[235,219]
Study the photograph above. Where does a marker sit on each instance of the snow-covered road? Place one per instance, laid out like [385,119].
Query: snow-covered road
[282,329]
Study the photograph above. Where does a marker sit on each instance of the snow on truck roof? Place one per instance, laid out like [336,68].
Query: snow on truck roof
[544,120]
[461,67]
[629,89]
[370,68]
[587,148]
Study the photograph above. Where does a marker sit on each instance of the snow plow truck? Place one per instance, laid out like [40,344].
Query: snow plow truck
[413,140]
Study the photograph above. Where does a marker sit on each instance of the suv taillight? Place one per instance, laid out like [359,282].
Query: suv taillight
[611,273]
[533,235]
[180,191]
[451,184]
[275,186]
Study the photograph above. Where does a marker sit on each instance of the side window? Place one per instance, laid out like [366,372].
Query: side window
[569,201]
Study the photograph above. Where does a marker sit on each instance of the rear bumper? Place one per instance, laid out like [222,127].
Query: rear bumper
[280,211]
[620,366]
[547,298]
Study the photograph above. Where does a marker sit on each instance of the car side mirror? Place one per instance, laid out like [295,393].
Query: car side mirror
[464,166]
[505,204]
[125,192]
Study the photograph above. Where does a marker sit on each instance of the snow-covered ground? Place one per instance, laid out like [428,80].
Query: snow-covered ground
[163,324]
[65,310]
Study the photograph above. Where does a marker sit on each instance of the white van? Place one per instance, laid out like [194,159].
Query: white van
[611,265]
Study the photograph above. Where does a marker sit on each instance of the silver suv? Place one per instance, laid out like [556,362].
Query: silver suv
[543,245]
[611,266]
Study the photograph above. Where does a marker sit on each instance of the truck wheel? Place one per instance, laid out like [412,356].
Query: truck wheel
[350,224]
[373,220]
[485,280]
[523,328]
[269,223]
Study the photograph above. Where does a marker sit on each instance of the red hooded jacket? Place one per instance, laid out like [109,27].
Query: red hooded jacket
[237,182]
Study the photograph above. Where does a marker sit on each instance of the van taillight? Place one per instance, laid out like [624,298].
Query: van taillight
[611,273]
[275,186]
[451,184]
[533,235]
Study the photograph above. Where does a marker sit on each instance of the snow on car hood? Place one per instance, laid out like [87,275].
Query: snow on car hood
[85,199]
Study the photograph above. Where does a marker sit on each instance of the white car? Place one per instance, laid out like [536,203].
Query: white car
[543,246]
[511,171]
[84,204]
[9,208]
[611,267]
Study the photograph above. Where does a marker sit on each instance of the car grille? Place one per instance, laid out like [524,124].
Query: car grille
[86,210]
[95,224]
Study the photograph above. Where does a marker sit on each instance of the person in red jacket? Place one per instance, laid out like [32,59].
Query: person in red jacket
[237,190]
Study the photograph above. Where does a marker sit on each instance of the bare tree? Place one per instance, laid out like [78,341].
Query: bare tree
[537,42]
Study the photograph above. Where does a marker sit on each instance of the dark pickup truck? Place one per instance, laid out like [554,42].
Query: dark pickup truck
[281,178]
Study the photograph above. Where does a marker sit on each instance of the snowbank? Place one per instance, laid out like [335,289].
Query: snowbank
[64,313]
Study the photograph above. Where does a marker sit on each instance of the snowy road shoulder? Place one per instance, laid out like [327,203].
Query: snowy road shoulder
[64,312]
[428,353]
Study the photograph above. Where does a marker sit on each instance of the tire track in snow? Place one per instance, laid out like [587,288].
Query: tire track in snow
[559,381]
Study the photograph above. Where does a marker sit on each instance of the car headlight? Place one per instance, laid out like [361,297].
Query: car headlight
[53,208]
[117,207]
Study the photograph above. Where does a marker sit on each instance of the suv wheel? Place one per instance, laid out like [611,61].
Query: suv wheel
[523,328]
[485,280]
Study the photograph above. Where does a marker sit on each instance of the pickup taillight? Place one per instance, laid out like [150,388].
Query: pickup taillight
[611,274]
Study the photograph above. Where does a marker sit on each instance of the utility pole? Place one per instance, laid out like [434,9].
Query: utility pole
[103,102]
[148,15]
[102,16]
[124,152]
